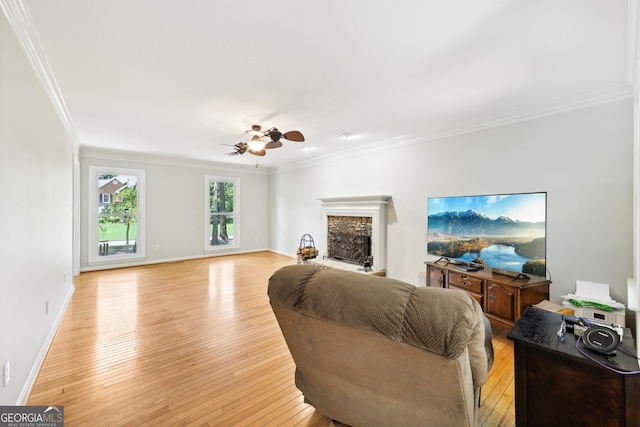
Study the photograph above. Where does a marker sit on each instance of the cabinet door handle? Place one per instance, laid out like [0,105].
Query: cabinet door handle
[492,297]
[463,282]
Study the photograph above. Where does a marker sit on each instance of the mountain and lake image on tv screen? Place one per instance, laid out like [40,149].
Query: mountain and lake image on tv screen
[506,231]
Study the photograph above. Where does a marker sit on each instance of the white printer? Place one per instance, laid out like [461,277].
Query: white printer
[596,293]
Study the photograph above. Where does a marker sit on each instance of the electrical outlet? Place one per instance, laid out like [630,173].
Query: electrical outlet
[157,247]
[46,307]
[6,373]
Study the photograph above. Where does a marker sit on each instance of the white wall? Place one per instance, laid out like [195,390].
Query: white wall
[175,207]
[36,205]
[582,159]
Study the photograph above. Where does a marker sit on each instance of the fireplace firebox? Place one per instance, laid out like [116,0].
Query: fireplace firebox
[355,230]
[349,238]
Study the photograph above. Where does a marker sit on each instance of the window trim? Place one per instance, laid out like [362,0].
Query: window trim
[94,200]
[208,248]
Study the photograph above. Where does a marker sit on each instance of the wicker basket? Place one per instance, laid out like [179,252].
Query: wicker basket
[307,249]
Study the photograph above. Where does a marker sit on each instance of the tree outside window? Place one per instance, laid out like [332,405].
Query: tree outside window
[117,218]
[221,221]
[116,200]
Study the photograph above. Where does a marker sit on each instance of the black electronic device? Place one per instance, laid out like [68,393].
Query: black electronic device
[467,267]
[601,339]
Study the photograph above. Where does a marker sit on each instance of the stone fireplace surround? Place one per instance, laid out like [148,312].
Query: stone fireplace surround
[374,207]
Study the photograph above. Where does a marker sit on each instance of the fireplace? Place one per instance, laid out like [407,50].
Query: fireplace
[355,230]
[349,238]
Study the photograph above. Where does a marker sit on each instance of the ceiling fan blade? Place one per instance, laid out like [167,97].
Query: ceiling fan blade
[241,147]
[272,144]
[294,136]
[258,153]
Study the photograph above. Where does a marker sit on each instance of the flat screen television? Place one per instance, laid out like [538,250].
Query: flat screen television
[506,232]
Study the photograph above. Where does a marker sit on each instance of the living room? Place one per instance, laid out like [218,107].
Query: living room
[582,155]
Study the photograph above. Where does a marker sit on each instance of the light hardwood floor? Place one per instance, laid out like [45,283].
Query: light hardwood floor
[193,343]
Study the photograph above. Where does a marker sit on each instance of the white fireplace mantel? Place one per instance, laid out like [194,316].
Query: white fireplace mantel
[374,207]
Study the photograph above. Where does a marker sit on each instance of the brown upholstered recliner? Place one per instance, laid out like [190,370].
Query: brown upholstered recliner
[373,351]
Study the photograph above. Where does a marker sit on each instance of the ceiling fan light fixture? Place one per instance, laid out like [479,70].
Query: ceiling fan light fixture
[258,147]
[256,144]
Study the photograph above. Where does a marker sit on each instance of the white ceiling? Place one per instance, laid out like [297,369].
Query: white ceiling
[180,79]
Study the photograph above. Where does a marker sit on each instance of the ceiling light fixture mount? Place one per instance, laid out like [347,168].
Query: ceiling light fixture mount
[255,130]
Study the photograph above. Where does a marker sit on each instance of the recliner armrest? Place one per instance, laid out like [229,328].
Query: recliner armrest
[481,351]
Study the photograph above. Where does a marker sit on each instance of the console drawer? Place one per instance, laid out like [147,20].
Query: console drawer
[469,284]
[478,297]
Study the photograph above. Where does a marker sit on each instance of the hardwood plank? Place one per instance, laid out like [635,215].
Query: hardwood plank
[194,343]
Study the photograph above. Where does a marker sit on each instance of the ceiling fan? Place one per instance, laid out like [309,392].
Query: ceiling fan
[258,147]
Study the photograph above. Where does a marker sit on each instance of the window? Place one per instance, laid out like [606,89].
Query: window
[116,214]
[221,221]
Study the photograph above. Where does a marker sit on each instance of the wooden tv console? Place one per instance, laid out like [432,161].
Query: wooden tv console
[502,298]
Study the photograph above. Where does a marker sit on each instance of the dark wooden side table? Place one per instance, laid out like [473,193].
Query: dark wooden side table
[555,385]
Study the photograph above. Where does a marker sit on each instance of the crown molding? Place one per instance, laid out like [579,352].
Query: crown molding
[559,106]
[21,24]
[167,161]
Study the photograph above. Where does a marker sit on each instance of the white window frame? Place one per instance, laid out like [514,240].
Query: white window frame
[105,198]
[236,208]
[94,200]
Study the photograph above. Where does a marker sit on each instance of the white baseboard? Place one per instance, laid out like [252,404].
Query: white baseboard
[31,379]
[283,253]
[107,266]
